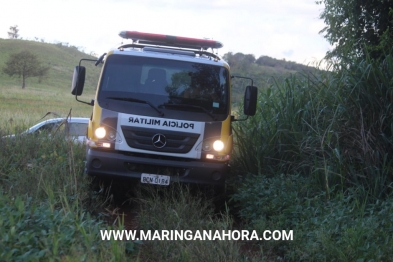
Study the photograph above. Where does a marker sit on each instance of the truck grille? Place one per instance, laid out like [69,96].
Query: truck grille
[142,138]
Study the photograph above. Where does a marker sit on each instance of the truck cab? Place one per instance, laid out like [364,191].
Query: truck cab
[162,111]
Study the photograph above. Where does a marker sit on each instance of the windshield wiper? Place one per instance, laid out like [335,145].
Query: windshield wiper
[130,99]
[188,107]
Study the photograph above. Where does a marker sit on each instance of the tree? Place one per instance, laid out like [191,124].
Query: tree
[357,28]
[25,65]
[13,33]
[267,61]
[239,60]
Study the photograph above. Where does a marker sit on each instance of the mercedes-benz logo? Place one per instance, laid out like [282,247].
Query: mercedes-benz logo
[159,140]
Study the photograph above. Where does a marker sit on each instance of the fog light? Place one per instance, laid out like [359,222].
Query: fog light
[96,163]
[209,156]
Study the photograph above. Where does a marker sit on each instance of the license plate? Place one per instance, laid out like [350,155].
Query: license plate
[155,179]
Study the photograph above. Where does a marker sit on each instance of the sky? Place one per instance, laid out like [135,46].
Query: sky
[285,29]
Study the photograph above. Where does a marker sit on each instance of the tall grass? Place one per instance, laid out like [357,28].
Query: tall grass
[344,228]
[317,158]
[180,207]
[45,203]
[335,127]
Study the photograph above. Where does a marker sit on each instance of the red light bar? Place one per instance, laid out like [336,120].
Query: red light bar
[170,40]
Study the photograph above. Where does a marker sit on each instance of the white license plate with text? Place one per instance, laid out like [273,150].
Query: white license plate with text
[155,179]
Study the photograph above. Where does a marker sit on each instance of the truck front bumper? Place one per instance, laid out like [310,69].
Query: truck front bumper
[121,165]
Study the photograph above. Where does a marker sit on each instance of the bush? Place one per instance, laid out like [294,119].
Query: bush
[334,131]
[52,164]
[339,229]
[45,203]
[37,232]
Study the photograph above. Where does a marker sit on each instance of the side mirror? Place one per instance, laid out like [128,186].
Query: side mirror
[250,100]
[78,80]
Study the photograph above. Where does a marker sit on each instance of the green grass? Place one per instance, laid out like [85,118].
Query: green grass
[340,229]
[180,208]
[38,232]
[25,107]
[332,127]
[45,204]
[334,131]
[60,59]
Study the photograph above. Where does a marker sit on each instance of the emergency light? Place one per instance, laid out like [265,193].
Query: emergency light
[169,40]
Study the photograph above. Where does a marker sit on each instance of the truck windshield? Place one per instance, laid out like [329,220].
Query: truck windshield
[165,82]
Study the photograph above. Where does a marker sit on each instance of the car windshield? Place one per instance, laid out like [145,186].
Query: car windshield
[155,81]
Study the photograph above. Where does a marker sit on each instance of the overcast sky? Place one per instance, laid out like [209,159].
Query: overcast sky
[277,28]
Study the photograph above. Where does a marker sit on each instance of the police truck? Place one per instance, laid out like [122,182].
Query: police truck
[162,111]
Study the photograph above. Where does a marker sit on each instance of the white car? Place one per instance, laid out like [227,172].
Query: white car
[74,127]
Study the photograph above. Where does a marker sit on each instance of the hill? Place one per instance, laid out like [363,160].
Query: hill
[59,58]
[62,59]
[264,71]
[53,93]
[27,106]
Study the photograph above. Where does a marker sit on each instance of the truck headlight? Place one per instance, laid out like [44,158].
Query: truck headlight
[100,132]
[218,145]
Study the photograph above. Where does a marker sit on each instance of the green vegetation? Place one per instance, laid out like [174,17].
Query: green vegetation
[60,59]
[23,108]
[25,65]
[357,29]
[343,228]
[264,71]
[316,159]
[44,203]
[178,208]
[318,156]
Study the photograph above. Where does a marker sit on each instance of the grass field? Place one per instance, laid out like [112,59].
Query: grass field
[53,94]
[25,107]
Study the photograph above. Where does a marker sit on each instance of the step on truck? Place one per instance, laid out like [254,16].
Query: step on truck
[162,111]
